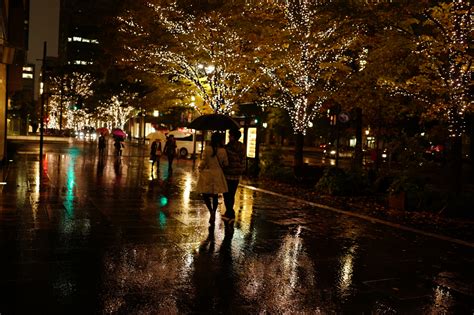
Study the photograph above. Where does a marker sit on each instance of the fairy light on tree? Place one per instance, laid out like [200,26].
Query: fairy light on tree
[311,67]
[67,91]
[115,112]
[200,50]
[442,40]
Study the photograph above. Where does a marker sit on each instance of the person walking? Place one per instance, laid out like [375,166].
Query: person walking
[118,146]
[236,156]
[155,154]
[102,145]
[211,181]
[170,151]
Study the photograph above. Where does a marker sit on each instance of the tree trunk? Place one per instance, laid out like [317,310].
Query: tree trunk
[455,159]
[470,133]
[358,157]
[298,162]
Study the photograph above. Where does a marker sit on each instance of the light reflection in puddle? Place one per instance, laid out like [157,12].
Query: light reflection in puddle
[275,280]
[443,300]
[346,271]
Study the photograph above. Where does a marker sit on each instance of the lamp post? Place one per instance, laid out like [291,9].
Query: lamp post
[43,101]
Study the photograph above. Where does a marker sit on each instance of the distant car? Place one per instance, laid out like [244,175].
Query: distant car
[344,152]
[86,134]
[184,142]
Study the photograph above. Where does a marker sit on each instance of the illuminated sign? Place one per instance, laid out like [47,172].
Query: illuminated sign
[251,142]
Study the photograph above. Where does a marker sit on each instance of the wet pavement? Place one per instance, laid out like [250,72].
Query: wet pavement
[104,236]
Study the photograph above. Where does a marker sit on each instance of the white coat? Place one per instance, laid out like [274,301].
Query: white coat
[211,177]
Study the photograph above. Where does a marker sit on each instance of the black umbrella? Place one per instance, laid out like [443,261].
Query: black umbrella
[213,122]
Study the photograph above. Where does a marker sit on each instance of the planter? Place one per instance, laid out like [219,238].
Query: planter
[397,201]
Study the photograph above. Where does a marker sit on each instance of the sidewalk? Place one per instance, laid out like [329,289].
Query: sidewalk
[105,236]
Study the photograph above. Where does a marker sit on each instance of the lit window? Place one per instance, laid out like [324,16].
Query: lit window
[83,62]
[94,41]
[77,39]
[85,40]
[69,39]
[77,62]
[27,75]
[28,69]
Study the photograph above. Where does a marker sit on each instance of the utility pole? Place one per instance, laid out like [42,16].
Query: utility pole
[43,101]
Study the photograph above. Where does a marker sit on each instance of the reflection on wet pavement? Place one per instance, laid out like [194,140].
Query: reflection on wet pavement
[111,236]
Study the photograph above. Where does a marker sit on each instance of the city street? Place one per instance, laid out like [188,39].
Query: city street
[109,236]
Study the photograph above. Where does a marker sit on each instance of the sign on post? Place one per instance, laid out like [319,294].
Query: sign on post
[251,142]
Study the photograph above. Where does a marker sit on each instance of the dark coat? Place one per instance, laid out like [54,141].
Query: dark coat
[236,156]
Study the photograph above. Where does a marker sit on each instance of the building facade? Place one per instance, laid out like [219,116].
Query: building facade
[14,17]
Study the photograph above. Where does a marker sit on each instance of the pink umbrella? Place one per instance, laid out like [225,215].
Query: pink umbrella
[119,133]
[103,131]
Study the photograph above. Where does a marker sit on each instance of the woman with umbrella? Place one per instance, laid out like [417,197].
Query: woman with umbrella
[118,146]
[211,180]
[119,136]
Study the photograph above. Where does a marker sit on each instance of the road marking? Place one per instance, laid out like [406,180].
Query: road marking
[364,217]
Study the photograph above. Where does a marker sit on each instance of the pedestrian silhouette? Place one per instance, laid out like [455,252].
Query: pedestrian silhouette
[236,156]
[118,146]
[155,154]
[102,145]
[170,151]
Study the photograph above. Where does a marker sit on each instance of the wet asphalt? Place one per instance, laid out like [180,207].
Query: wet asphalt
[109,236]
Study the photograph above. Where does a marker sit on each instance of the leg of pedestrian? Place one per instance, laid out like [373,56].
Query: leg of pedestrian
[209,205]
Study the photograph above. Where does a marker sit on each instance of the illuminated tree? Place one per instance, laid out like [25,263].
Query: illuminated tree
[201,49]
[442,41]
[68,91]
[311,64]
[116,111]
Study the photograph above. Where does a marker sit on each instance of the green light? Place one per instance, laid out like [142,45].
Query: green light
[162,219]
[163,201]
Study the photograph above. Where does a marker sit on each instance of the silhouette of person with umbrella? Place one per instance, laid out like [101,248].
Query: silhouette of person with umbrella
[170,151]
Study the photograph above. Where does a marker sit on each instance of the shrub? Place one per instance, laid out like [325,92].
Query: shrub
[336,181]
[333,182]
[272,166]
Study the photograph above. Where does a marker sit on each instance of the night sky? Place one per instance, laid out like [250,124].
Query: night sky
[44,26]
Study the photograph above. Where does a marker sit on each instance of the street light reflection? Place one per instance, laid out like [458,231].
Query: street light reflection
[188,180]
[289,265]
[347,271]
[443,301]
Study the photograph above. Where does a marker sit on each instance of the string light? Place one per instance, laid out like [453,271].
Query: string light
[313,59]
[203,51]
[449,64]
[66,90]
[115,112]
